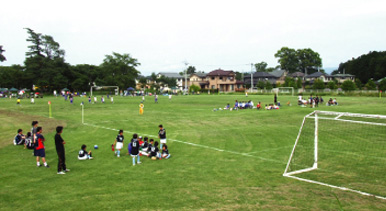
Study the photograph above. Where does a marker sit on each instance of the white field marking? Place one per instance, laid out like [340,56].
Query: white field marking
[271,149]
[192,144]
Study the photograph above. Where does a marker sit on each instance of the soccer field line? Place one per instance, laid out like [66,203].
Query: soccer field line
[271,149]
[193,144]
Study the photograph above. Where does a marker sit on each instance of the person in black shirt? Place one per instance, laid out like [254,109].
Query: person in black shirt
[162,135]
[59,143]
[83,154]
[154,152]
[119,143]
[135,149]
[165,152]
[19,138]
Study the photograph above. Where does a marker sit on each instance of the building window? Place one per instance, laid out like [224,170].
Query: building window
[220,77]
[213,87]
[212,78]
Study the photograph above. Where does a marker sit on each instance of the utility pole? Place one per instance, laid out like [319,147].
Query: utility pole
[251,77]
[186,77]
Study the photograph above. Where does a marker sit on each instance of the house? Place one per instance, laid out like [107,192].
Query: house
[297,75]
[179,78]
[223,80]
[280,75]
[198,79]
[343,77]
[260,76]
[319,75]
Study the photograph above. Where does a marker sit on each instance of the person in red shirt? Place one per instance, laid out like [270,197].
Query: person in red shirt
[39,148]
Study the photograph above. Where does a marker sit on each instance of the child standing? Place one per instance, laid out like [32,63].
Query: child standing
[40,149]
[162,135]
[141,106]
[119,143]
[135,149]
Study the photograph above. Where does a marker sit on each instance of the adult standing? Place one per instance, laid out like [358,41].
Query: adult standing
[275,99]
[59,143]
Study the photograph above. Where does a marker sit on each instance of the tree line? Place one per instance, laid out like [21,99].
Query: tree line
[45,67]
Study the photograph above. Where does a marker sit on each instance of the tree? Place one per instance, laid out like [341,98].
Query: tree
[331,85]
[239,76]
[268,85]
[260,84]
[153,76]
[289,82]
[261,67]
[309,61]
[299,83]
[348,85]
[304,60]
[358,83]
[382,85]
[318,84]
[143,82]
[194,88]
[287,59]
[44,64]
[2,57]
[191,70]
[370,85]
[119,70]
[367,66]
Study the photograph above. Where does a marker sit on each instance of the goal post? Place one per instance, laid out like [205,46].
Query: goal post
[341,150]
[116,89]
[284,90]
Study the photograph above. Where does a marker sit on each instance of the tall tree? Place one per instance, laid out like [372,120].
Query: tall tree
[2,57]
[191,70]
[309,61]
[304,60]
[261,67]
[44,63]
[288,59]
[119,70]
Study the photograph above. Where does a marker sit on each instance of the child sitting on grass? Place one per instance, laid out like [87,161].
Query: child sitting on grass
[19,138]
[154,152]
[83,154]
[165,152]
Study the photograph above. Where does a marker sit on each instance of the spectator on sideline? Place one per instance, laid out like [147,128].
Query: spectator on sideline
[19,138]
[59,143]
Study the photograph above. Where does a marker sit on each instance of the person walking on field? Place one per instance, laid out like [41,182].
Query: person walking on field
[141,106]
[59,143]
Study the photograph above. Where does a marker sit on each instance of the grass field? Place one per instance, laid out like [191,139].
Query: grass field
[222,160]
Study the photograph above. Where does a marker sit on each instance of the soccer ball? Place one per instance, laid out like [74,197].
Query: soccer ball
[95,146]
[153,158]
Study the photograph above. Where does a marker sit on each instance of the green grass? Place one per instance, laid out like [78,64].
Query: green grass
[235,159]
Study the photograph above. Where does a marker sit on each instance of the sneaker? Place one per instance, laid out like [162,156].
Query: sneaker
[67,170]
[90,158]
[60,172]
[47,166]
[133,164]
[118,155]
[139,162]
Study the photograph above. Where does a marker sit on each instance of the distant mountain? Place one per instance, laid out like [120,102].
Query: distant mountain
[330,69]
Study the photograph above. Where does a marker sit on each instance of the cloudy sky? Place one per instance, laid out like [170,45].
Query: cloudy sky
[208,34]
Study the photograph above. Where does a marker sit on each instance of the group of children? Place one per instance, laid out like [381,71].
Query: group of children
[138,147]
[35,141]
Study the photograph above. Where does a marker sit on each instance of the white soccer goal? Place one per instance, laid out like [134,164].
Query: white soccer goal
[115,89]
[341,150]
[284,90]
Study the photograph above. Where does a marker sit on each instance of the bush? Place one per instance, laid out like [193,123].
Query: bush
[348,86]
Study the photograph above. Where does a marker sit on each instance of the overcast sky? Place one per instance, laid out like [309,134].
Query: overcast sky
[162,35]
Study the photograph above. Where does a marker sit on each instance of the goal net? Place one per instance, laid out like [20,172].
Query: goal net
[284,90]
[341,150]
[104,90]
